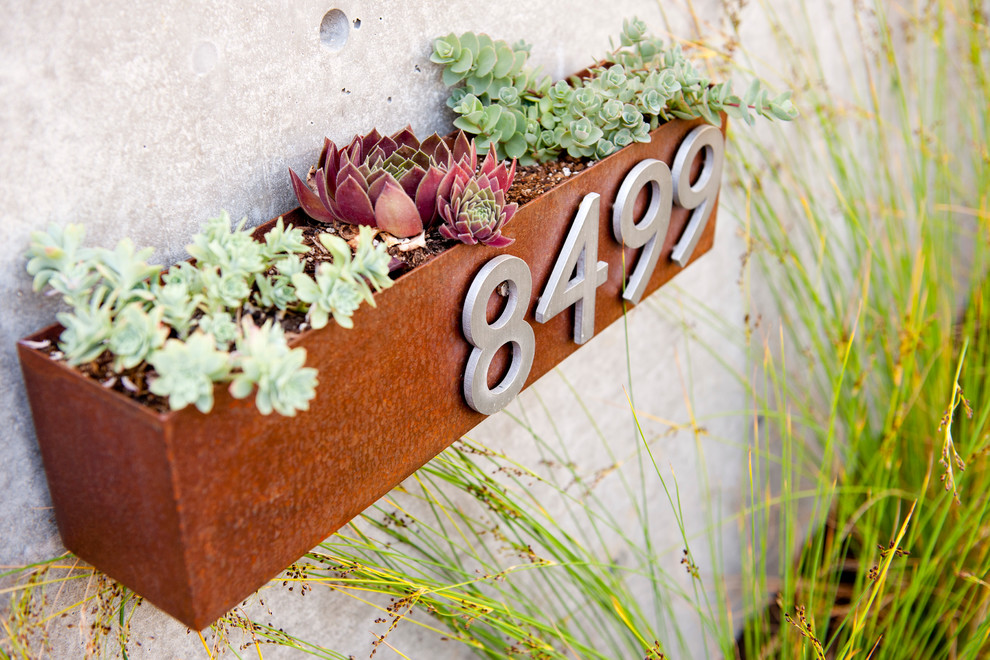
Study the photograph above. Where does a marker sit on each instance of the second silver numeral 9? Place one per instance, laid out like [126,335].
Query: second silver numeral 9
[701,196]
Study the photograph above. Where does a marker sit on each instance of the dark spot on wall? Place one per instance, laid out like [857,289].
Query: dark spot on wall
[334,30]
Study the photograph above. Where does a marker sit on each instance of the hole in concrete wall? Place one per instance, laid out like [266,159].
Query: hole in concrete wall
[357,23]
[204,57]
[334,29]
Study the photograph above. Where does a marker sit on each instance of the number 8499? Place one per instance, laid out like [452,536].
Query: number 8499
[577,272]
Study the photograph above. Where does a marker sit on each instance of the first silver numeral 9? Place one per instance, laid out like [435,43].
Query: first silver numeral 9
[668,186]
[652,228]
[509,327]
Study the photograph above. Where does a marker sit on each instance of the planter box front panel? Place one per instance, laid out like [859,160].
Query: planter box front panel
[195,512]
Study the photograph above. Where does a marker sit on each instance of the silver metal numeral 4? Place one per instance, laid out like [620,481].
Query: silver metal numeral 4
[701,196]
[580,249]
[652,229]
[509,327]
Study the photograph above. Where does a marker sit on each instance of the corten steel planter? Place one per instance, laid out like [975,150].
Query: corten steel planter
[195,512]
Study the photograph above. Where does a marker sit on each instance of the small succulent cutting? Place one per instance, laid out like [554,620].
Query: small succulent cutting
[512,109]
[194,325]
[388,182]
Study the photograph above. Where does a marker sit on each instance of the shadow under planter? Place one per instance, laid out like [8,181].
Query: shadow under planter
[195,512]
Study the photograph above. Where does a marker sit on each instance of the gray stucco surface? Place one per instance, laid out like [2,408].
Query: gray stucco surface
[142,119]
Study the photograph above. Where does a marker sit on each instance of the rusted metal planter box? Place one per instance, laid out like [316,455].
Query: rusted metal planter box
[195,512]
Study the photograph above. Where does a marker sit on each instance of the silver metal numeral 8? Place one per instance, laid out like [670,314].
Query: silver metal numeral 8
[700,196]
[509,327]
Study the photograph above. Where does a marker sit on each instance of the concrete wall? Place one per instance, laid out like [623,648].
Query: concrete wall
[142,119]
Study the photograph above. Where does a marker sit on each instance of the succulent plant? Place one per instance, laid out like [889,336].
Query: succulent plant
[385,182]
[472,202]
[87,329]
[136,333]
[54,252]
[521,114]
[126,273]
[267,363]
[178,304]
[276,291]
[186,371]
[281,241]
[222,326]
[486,66]
[328,294]
[340,286]
[371,264]
[57,259]
[182,324]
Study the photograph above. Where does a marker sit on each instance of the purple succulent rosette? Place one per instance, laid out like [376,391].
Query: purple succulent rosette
[472,202]
[386,182]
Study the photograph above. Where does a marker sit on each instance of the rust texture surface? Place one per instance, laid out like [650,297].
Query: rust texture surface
[195,512]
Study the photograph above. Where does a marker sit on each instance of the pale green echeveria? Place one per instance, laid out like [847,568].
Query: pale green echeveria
[126,273]
[54,251]
[233,250]
[533,120]
[186,274]
[121,306]
[757,99]
[275,291]
[610,113]
[267,363]
[222,326]
[77,282]
[370,265]
[224,289]
[135,334]
[561,95]
[329,294]
[87,329]
[282,241]
[57,259]
[509,96]
[633,31]
[614,76]
[604,148]
[186,371]
[290,265]
[581,138]
[501,127]
[482,63]
[622,137]
[653,102]
[334,291]
[177,303]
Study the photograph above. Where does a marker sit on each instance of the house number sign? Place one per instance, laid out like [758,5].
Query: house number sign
[577,272]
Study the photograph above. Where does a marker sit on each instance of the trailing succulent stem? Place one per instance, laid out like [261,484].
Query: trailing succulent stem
[631,90]
[184,324]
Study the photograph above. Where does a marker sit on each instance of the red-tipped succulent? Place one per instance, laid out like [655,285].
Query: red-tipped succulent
[472,204]
[385,182]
